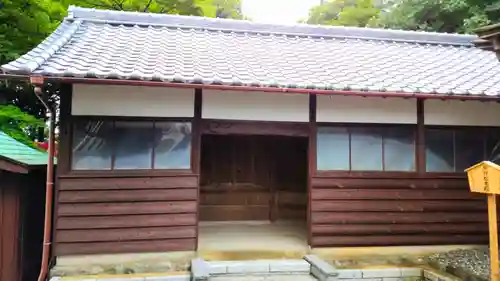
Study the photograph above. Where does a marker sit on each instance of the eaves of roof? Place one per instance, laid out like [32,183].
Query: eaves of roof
[97,46]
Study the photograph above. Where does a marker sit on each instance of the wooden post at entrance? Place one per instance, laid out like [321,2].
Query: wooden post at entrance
[484,178]
[492,219]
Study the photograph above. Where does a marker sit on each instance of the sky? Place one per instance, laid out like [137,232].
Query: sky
[277,11]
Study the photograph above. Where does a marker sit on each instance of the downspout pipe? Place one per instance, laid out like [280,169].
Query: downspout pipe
[49,188]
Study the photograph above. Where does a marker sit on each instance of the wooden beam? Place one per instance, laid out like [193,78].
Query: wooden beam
[225,127]
[11,166]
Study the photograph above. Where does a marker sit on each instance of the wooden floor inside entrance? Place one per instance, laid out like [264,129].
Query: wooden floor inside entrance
[253,178]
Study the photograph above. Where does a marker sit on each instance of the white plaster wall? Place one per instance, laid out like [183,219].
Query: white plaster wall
[349,109]
[461,113]
[116,100]
[255,106]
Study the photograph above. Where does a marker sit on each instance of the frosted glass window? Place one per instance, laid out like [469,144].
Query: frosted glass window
[92,147]
[366,150]
[456,149]
[493,146]
[133,144]
[439,151]
[470,150]
[399,150]
[172,145]
[332,148]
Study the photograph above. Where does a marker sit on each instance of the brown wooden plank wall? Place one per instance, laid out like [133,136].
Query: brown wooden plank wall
[10,190]
[126,214]
[291,205]
[252,177]
[348,211]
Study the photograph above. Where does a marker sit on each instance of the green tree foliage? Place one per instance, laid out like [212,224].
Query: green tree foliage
[344,12]
[453,16]
[23,24]
[19,124]
[227,9]
[181,7]
[207,8]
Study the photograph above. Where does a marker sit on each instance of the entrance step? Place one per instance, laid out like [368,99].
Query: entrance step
[268,277]
[286,266]
[307,269]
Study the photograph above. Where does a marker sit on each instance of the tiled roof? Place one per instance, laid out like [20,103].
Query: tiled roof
[20,153]
[141,46]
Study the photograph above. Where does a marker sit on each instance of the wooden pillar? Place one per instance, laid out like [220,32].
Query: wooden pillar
[65,134]
[420,138]
[196,138]
[63,149]
[493,225]
[196,151]
[311,162]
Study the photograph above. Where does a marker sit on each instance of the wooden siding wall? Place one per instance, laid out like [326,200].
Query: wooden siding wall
[395,211]
[392,209]
[10,266]
[99,212]
[113,215]
[142,212]
[253,178]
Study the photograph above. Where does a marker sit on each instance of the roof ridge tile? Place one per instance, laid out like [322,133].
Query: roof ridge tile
[242,26]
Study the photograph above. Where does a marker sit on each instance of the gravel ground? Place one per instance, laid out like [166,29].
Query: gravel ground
[470,265]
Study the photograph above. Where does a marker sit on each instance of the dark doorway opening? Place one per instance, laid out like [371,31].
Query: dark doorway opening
[261,178]
[253,186]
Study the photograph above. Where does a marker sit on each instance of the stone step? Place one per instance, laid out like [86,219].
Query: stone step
[286,266]
[266,277]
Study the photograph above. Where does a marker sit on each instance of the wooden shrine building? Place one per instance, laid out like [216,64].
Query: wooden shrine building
[173,128]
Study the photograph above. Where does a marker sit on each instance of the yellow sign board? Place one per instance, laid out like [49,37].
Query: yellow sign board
[484,177]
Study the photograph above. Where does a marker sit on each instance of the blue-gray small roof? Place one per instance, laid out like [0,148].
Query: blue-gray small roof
[171,48]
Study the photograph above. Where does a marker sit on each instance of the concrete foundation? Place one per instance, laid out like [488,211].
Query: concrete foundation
[123,264]
[360,252]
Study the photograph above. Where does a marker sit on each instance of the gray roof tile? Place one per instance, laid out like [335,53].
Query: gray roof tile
[140,46]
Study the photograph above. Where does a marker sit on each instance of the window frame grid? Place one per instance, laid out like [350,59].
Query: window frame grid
[349,126]
[485,131]
[129,172]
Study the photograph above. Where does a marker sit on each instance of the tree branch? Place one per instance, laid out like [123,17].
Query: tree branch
[147,6]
